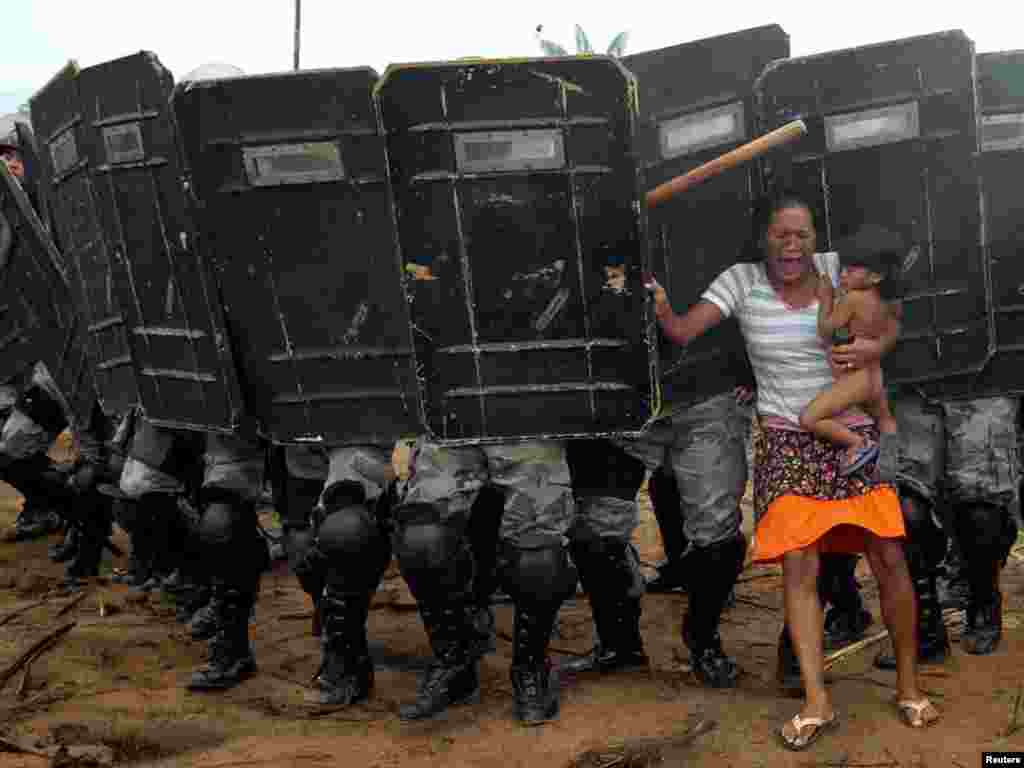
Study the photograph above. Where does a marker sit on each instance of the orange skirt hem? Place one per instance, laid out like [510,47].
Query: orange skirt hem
[842,526]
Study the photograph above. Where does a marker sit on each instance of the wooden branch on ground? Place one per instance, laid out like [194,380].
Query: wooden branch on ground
[7,617]
[38,649]
[73,602]
[12,746]
[949,616]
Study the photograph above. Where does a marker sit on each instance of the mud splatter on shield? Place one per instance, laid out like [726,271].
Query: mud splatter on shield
[892,141]
[522,240]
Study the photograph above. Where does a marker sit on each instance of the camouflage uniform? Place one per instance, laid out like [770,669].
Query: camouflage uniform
[963,452]
[703,446]
[432,523]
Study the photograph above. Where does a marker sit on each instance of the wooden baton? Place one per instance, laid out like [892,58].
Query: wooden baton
[787,133]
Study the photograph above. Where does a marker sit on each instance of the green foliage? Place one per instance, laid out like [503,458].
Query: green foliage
[616,48]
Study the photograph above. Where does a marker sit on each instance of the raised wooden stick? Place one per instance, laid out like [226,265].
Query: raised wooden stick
[787,133]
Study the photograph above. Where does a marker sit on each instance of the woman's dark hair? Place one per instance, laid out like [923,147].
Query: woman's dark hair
[762,211]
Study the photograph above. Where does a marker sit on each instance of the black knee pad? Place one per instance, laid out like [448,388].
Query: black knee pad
[348,532]
[433,556]
[305,560]
[600,468]
[537,571]
[343,494]
[226,518]
[36,403]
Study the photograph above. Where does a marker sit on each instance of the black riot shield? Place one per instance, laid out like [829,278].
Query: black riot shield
[516,194]
[696,102]
[892,142]
[62,130]
[37,318]
[289,177]
[165,294]
[1000,78]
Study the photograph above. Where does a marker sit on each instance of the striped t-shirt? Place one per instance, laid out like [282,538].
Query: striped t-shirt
[787,355]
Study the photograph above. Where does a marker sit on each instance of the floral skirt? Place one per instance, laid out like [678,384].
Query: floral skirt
[800,499]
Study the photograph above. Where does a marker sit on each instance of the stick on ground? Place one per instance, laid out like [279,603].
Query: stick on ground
[7,617]
[38,649]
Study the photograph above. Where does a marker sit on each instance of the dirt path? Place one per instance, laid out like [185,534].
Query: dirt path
[116,682]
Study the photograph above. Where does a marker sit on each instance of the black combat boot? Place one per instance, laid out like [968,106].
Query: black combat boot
[189,602]
[983,627]
[452,678]
[846,619]
[535,682]
[932,637]
[609,575]
[716,567]
[67,549]
[207,619]
[667,504]
[346,669]
[231,659]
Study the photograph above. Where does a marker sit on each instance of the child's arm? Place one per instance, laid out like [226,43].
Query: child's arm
[831,314]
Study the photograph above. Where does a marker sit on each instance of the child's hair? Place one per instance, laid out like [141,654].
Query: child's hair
[881,251]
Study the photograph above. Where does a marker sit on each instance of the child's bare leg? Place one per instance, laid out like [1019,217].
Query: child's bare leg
[853,389]
[879,405]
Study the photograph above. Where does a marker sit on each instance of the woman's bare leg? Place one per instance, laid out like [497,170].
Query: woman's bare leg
[804,619]
[899,609]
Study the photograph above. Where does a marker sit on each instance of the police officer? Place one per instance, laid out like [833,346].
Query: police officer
[336,509]
[435,556]
[971,453]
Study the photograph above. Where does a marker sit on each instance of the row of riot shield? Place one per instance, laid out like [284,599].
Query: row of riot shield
[456,248]
[341,258]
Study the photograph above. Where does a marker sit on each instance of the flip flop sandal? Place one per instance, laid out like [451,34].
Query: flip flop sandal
[865,455]
[912,713]
[820,725]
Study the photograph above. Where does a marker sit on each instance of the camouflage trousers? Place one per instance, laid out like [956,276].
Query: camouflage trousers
[368,466]
[21,436]
[534,476]
[961,452]
[705,447]
[230,462]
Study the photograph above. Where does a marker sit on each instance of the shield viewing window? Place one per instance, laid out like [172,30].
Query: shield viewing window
[64,152]
[709,128]
[306,163]
[1002,132]
[872,127]
[123,143]
[509,151]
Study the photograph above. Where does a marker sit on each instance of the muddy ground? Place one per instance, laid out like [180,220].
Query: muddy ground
[111,691]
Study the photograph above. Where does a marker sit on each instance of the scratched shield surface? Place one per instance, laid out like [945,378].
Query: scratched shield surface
[1000,77]
[37,318]
[892,141]
[685,122]
[294,208]
[517,199]
[61,129]
[165,292]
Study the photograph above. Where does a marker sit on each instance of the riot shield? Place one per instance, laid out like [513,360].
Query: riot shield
[1001,103]
[520,231]
[289,177]
[37,318]
[892,142]
[696,102]
[61,123]
[165,295]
